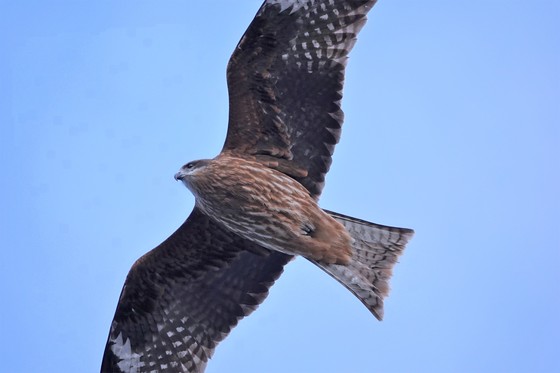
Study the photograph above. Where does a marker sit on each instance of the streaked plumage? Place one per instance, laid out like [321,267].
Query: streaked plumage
[267,207]
[256,202]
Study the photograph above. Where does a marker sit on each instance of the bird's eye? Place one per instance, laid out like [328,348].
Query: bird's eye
[189,165]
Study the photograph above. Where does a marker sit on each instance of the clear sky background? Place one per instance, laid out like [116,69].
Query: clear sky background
[452,128]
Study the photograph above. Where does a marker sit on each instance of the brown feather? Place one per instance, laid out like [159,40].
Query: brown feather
[285,81]
[256,203]
[268,207]
[183,297]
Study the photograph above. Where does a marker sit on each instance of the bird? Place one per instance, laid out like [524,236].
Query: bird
[257,202]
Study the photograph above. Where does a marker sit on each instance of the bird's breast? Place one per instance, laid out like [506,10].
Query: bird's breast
[270,208]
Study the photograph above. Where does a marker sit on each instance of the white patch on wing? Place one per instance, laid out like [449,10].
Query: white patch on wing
[285,4]
[130,361]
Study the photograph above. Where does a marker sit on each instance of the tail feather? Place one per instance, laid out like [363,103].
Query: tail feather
[375,251]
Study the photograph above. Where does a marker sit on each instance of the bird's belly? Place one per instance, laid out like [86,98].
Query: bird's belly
[273,228]
[270,208]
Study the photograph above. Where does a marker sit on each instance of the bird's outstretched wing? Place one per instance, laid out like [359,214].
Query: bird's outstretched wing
[182,298]
[285,81]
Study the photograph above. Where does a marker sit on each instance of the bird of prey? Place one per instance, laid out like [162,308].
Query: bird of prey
[256,203]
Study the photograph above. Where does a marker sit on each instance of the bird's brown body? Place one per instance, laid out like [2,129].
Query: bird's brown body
[256,202]
[266,206]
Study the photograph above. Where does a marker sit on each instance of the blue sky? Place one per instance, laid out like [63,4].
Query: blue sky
[452,128]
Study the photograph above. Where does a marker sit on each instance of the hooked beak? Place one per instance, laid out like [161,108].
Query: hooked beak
[179,176]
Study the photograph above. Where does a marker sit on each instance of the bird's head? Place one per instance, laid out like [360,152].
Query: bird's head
[189,171]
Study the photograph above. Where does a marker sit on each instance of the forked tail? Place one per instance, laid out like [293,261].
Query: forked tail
[376,249]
